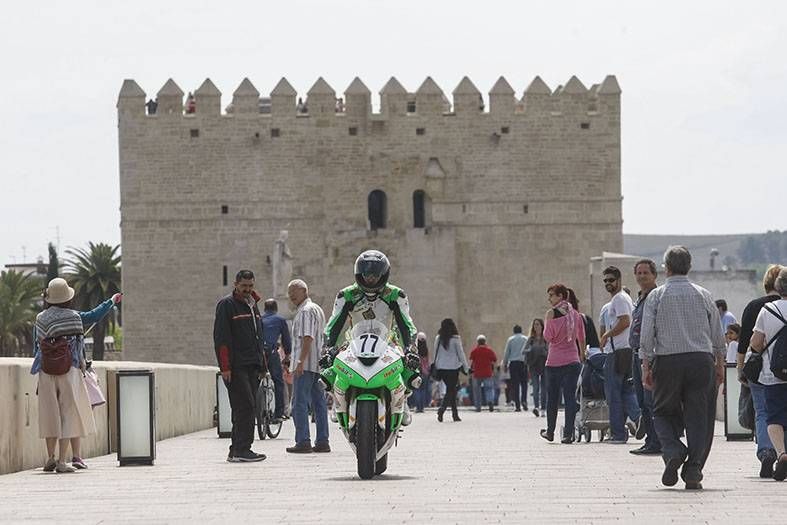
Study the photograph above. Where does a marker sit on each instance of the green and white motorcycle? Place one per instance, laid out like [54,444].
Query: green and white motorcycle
[369,383]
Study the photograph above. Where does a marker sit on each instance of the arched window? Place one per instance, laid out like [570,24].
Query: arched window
[378,209]
[419,209]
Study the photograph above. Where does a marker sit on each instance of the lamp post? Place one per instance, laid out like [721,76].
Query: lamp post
[224,425]
[136,416]
[733,430]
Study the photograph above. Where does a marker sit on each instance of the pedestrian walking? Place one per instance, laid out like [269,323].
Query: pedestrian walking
[482,362]
[645,273]
[307,340]
[536,351]
[681,335]
[423,394]
[449,360]
[514,363]
[238,341]
[725,316]
[276,334]
[770,340]
[565,334]
[618,388]
[766,454]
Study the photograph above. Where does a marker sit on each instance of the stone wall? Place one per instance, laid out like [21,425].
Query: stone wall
[519,196]
[185,398]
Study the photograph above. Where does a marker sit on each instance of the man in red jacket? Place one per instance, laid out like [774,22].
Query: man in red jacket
[482,360]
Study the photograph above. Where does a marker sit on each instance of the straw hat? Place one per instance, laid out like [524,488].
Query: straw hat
[58,291]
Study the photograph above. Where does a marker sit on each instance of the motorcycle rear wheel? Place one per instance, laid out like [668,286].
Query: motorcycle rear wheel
[366,438]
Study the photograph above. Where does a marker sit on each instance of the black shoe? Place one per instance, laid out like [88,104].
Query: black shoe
[303,448]
[780,472]
[491,408]
[525,408]
[546,434]
[766,463]
[692,476]
[455,417]
[321,447]
[670,476]
[567,440]
[535,412]
[440,416]
[646,450]
[518,409]
[247,456]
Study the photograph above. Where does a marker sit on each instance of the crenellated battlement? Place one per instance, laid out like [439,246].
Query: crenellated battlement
[429,99]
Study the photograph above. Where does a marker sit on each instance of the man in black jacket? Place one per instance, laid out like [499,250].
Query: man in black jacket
[237,336]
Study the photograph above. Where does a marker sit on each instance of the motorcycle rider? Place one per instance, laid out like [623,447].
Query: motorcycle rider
[372,297]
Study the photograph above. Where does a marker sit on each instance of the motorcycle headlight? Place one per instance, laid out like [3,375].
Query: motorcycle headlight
[367,361]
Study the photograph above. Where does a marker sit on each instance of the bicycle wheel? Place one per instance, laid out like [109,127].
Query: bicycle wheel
[261,412]
[272,429]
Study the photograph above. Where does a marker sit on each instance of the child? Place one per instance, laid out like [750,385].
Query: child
[733,331]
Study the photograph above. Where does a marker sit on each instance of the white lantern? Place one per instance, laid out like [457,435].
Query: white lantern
[136,417]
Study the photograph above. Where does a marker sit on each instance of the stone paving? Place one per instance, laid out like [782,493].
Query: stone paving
[489,468]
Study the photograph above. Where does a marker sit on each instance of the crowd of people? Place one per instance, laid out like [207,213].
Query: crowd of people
[657,364]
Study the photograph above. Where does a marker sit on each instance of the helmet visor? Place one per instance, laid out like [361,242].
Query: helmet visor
[371,272]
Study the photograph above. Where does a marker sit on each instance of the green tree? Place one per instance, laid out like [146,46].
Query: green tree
[19,295]
[53,270]
[95,275]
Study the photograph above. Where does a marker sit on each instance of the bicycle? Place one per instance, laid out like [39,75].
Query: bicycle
[266,406]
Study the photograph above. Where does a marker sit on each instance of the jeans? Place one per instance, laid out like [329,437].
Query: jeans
[485,385]
[760,420]
[423,395]
[539,389]
[562,378]
[243,399]
[620,396]
[684,396]
[645,399]
[274,367]
[309,393]
[518,383]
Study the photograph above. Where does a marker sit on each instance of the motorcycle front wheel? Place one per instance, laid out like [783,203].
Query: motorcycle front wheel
[366,437]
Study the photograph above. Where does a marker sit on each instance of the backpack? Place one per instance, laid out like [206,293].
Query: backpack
[778,350]
[55,355]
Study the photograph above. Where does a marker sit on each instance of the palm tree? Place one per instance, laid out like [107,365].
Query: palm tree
[95,275]
[19,294]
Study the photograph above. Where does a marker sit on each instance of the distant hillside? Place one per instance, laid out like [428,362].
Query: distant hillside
[735,251]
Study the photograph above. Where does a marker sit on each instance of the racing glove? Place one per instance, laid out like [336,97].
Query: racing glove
[328,355]
[412,361]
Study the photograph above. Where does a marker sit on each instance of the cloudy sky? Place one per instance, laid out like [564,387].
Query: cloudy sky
[704,90]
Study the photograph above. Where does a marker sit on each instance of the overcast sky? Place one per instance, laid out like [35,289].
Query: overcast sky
[704,90]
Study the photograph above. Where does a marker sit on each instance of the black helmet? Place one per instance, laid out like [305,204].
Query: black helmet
[371,271]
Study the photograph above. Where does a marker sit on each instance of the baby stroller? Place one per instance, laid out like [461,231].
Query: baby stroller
[593,411]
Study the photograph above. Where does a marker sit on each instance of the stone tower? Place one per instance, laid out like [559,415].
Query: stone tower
[479,206]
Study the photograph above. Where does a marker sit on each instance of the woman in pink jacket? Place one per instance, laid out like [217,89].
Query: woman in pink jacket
[565,334]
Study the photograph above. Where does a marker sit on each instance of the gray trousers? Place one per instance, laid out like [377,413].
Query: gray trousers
[684,397]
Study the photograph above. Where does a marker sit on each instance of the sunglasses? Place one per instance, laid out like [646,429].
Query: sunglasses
[610,280]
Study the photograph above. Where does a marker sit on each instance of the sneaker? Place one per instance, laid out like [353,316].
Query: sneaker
[246,456]
[670,476]
[535,412]
[62,468]
[780,472]
[546,434]
[632,427]
[321,447]
[641,427]
[766,463]
[78,463]
[50,465]
[303,448]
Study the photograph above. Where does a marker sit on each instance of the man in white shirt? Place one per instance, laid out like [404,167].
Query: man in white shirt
[618,388]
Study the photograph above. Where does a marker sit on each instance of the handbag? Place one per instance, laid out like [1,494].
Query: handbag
[55,355]
[746,408]
[94,392]
[434,373]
